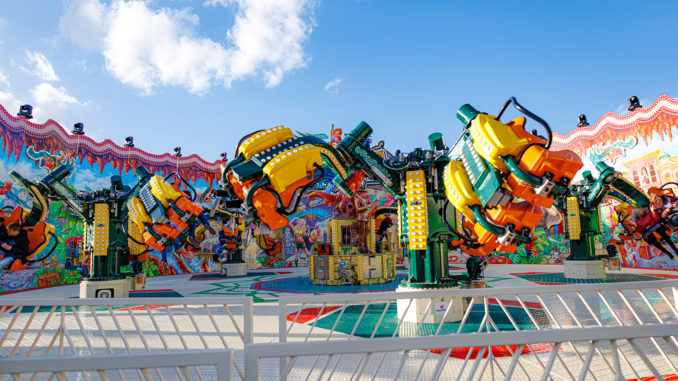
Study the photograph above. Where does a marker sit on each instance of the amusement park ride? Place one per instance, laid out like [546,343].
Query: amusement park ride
[483,194]
[121,222]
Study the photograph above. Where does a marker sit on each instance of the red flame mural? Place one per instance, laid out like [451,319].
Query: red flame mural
[50,136]
[641,123]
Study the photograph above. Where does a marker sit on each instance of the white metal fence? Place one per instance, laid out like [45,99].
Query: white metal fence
[182,365]
[370,315]
[607,353]
[355,317]
[92,327]
[584,331]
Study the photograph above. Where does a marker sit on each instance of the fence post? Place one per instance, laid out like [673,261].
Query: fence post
[248,316]
[252,363]
[282,335]
[225,369]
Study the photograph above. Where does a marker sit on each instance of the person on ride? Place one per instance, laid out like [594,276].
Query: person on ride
[3,230]
[663,206]
[647,223]
[16,246]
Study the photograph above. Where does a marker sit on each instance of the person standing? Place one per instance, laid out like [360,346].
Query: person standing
[362,207]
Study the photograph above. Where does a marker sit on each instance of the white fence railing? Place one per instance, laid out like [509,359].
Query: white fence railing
[603,353]
[183,365]
[354,317]
[361,336]
[372,315]
[91,327]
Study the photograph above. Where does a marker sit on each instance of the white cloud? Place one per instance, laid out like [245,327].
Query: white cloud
[85,178]
[4,80]
[148,48]
[7,99]
[83,23]
[26,168]
[54,102]
[332,87]
[47,93]
[41,67]
[214,3]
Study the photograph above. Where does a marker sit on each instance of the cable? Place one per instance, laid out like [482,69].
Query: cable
[195,194]
[536,118]
[124,230]
[450,228]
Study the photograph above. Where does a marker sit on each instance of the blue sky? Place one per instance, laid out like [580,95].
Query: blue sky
[201,74]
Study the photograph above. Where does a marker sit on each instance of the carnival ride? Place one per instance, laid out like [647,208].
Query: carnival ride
[483,194]
[478,181]
[583,219]
[120,222]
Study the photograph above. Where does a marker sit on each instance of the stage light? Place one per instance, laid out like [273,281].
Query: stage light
[582,121]
[177,151]
[26,111]
[78,129]
[224,156]
[129,142]
[634,103]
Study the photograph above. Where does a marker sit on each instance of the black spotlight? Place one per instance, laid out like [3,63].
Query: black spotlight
[582,121]
[26,111]
[177,151]
[78,129]
[129,142]
[634,103]
[224,156]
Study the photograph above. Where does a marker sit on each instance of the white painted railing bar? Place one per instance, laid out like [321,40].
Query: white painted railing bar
[666,300]
[471,292]
[210,300]
[315,308]
[42,329]
[554,352]
[553,318]
[103,334]
[640,322]
[65,326]
[221,360]
[509,348]
[255,352]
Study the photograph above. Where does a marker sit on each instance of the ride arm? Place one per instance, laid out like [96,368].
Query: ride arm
[52,185]
[143,177]
[361,157]
[273,169]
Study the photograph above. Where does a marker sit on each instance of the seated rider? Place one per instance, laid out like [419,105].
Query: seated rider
[647,223]
[3,230]
[663,206]
[16,246]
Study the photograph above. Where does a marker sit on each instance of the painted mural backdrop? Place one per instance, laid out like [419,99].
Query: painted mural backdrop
[638,144]
[33,150]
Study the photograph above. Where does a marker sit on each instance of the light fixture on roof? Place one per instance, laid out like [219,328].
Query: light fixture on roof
[26,111]
[634,103]
[582,121]
[177,151]
[129,142]
[224,156]
[78,129]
